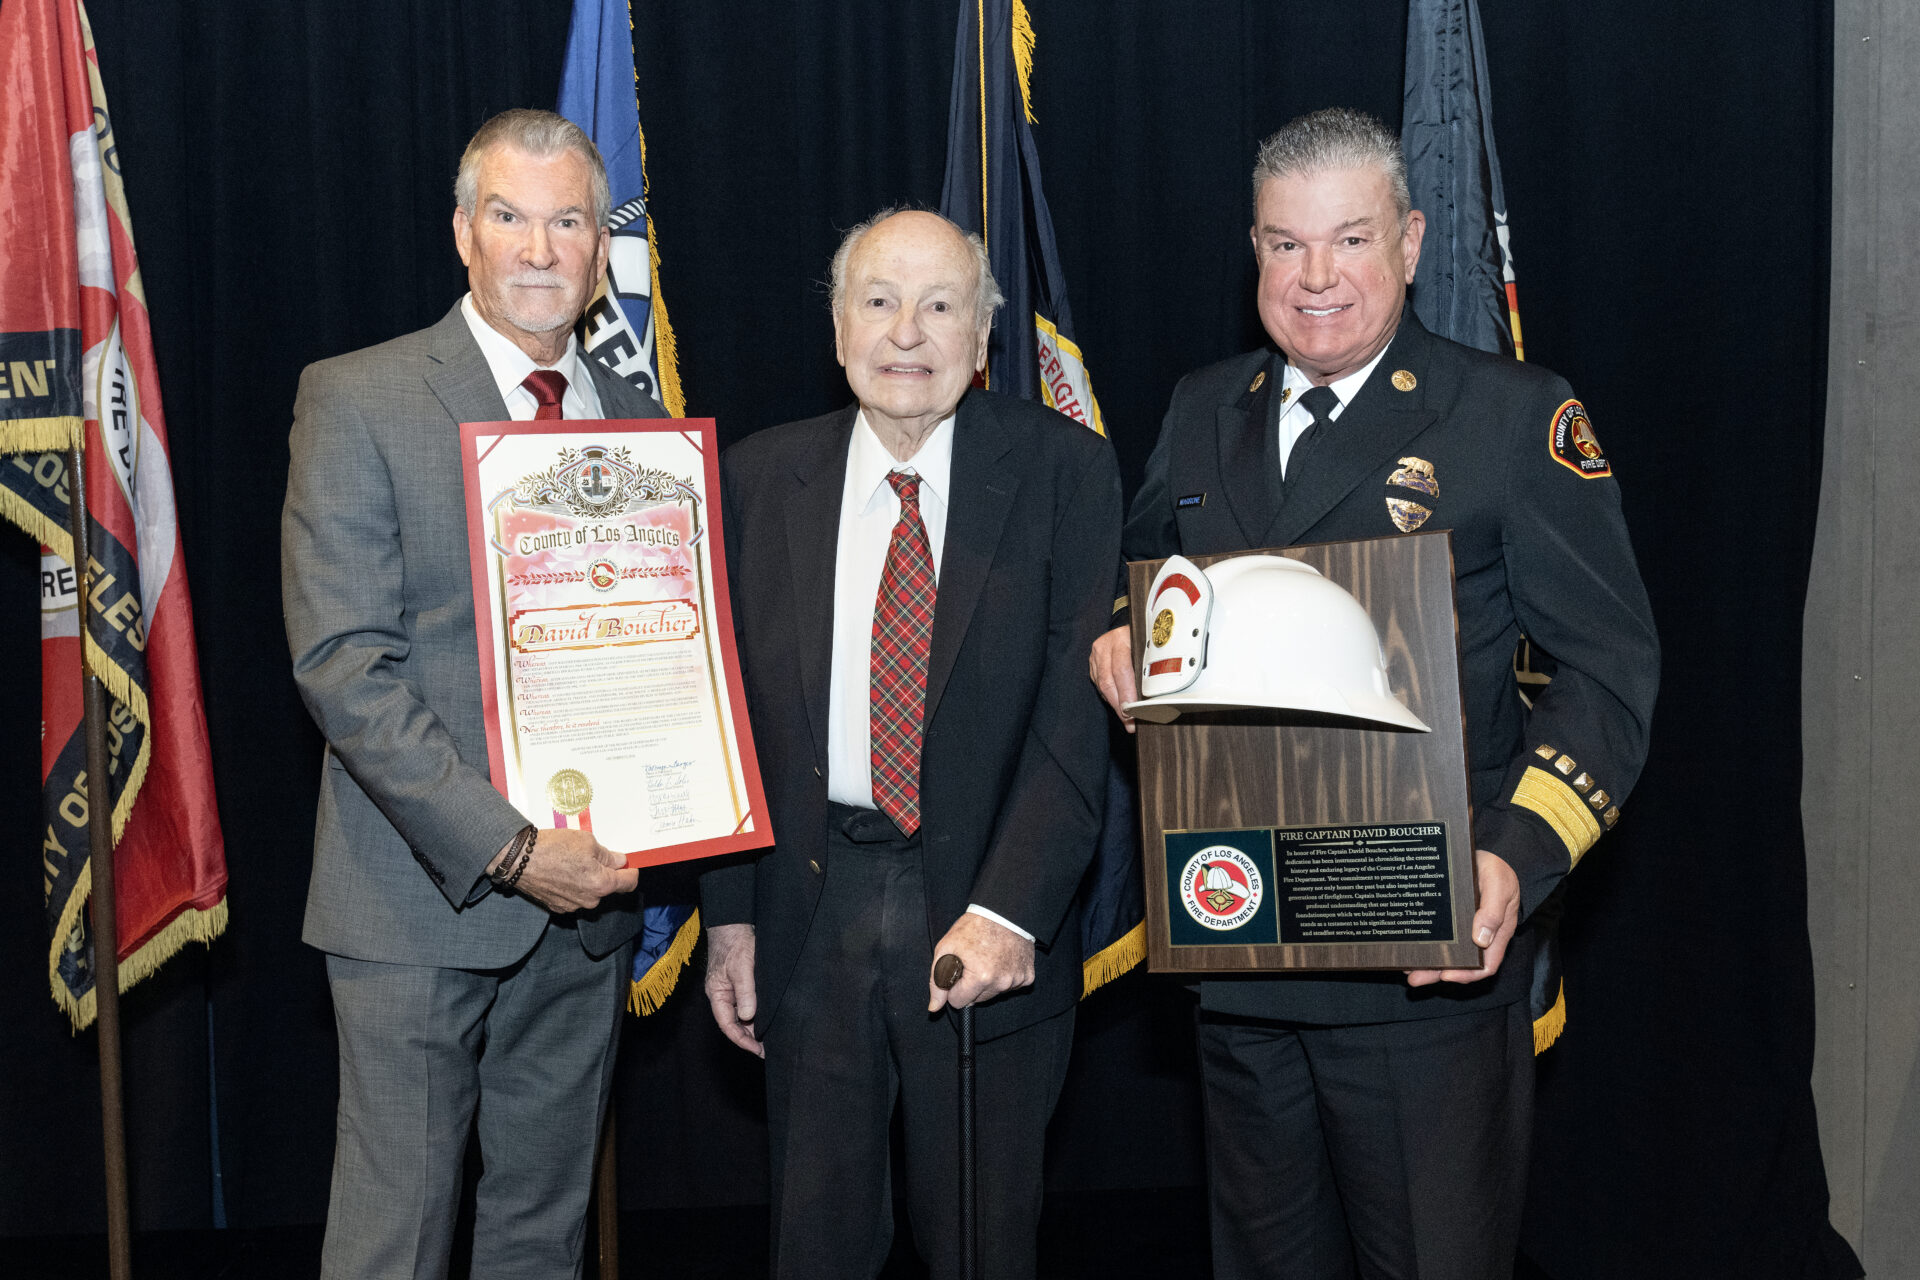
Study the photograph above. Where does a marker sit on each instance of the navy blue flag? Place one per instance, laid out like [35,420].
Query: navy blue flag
[627,331]
[993,188]
[1464,287]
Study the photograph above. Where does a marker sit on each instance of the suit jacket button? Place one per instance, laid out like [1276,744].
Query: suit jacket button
[816,771]
[814,863]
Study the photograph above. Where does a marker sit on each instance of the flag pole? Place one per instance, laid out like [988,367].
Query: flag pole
[607,1198]
[106,933]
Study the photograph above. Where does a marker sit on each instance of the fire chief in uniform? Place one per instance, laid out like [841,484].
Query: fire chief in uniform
[916,580]
[1367,1122]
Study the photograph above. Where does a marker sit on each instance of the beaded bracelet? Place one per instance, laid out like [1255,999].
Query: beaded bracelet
[519,853]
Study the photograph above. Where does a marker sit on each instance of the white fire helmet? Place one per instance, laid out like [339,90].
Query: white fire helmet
[1217,878]
[1261,631]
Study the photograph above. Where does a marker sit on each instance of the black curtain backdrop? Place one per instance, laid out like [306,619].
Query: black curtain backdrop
[289,170]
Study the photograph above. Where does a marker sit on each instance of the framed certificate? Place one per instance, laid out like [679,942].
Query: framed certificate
[607,661]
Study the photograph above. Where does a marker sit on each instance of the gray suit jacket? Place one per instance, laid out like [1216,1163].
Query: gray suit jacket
[378,594]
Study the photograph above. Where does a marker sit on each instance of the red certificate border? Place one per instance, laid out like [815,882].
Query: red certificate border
[700,432]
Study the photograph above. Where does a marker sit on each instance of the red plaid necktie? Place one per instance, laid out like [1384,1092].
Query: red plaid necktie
[902,637]
[547,386]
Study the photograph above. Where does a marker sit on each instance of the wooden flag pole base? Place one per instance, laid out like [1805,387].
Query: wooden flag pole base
[106,933]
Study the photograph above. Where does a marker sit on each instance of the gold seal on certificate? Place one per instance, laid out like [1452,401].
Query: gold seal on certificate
[610,684]
[569,791]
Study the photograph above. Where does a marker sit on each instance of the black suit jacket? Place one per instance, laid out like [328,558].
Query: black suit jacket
[1540,549]
[1014,756]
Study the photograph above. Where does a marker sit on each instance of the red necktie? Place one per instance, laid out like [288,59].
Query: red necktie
[902,638]
[547,386]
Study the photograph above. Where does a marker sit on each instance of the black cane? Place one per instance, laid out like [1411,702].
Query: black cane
[946,971]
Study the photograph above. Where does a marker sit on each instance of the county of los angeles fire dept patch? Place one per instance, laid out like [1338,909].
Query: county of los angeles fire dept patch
[1221,888]
[1571,441]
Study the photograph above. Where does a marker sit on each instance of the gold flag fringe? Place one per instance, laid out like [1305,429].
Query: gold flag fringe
[1114,959]
[647,994]
[34,521]
[135,699]
[1023,41]
[118,683]
[666,350]
[1548,1026]
[191,925]
[41,435]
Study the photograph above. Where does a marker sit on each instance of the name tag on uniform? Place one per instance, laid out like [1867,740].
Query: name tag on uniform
[1190,500]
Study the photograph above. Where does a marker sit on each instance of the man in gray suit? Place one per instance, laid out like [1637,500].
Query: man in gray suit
[476,965]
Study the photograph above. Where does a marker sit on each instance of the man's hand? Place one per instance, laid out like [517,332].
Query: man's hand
[1493,923]
[730,984]
[996,958]
[571,871]
[1110,667]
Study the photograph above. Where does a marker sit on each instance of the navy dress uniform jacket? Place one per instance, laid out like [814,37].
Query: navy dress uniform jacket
[1500,453]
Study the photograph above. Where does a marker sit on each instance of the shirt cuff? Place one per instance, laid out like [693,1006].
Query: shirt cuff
[974,909]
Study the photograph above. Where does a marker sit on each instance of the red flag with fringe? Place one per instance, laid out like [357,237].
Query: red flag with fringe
[77,368]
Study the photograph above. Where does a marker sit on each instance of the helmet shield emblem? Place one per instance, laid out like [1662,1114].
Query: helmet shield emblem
[1178,606]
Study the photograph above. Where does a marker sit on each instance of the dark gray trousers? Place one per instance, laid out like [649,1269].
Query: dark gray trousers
[1393,1150]
[522,1055]
[852,1037]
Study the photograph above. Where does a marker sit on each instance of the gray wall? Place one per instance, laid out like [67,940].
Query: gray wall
[1861,688]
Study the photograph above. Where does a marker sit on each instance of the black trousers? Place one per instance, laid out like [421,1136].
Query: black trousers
[1394,1149]
[852,1037]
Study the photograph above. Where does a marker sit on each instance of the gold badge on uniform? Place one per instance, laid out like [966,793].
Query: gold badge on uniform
[1407,516]
[1259,381]
[569,791]
[1416,473]
[1163,628]
[1404,380]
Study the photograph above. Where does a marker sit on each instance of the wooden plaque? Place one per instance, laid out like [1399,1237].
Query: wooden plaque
[1357,837]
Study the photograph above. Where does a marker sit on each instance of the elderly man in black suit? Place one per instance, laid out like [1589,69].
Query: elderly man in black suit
[1375,1121]
[916,580]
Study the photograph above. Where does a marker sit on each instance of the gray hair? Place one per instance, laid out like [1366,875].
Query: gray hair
[987,297]
[537,133]
[1336,138]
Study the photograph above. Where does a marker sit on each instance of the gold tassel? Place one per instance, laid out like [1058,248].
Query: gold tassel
[1114,959]
[1023,41]
[1548,1026]
[647,994]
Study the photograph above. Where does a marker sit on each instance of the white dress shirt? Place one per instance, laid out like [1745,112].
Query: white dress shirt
[1294,420]
[869,508]
[510,367]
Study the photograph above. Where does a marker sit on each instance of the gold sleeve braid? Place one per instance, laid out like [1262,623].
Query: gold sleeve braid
[1555,801]
[1558,801]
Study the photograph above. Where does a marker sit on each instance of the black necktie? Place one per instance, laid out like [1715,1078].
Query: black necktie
[1320,402]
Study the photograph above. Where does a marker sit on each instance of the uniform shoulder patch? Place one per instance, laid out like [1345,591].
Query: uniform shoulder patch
[1571,441]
